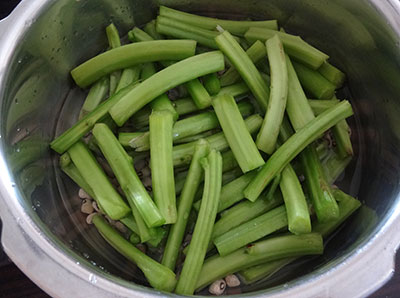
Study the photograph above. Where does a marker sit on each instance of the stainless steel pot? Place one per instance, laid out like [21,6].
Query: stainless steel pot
[44,232]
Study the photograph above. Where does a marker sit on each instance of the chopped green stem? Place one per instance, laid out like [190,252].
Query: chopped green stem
[97,93]
[122,166]
[294,46]
[341,132]
[130,222]
[199,94]
[83,126]
[72,171]
[162,169]
[332,74]
[236,133]
[313,82]
[186,105]
[113,36]
[212,83]
[131,55]
[273,249]
[232,192]
[321,105]
[268,135]
[163,102]
[299,221]
[202,232]
[245,211]
[182,154]
[165,80]
[125,137]
[159,276]
[177,29]
[114,79]
[292,147]
[192,182]
[347,206]
[324,203]
[107,197]
[128,76]
[246,68]
[134,238]
[334,166]
[190,126]
[150,29]
[235,27]
[256,52]
[138,35]
[251,231]
[199,136]
[264,271]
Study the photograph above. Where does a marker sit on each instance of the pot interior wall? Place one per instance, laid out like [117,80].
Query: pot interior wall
[39,101]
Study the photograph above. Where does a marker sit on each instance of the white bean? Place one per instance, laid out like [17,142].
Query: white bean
[87,207]
[83,194]
[232,281]
[89,218]
[217,287]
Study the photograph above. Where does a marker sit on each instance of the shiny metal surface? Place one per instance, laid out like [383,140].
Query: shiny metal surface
[45,233]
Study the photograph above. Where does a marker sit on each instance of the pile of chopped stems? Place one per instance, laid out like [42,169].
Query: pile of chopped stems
[227,144]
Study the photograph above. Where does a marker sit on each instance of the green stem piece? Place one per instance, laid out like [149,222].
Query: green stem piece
[199,94]
[128,76]
[313,82]
[122,166]
[334,166]
[332,74]
[202,232]
[236,133]
[268,135]
[235,27]
[159,276]
[294,46]
[138,35]
[299,221]
[341,132]
[212,83]
[97,93]
[296,143]
[192,182]
[107,197]
[252,230]
[113,36]
[72,171]
[162,169]
[125,137]
[246,68]
[273,249]
[131,55]
[150,29]
[320,105]
[83,126]
[165,80]
[256,52]
[182,154]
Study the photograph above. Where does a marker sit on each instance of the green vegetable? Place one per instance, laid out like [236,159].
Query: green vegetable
[97,93]
[268,134]
[246,68]
[107,197]
[212,83]
[202,232]
[236,133]
[128,76]
[192,182]
[295,202]
[252,230]
[137,34]
[150,29]
[235,27]
[292,147]
[256,52]
[164,80]
[294,46]
[320,105]
[162,170]
[198,93]
[332,74]
[272,249]
[182,154]
[313,82]
[122,166]
[159,276]
[131,55]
